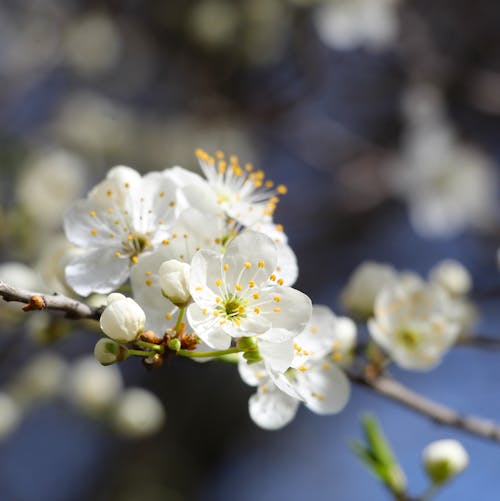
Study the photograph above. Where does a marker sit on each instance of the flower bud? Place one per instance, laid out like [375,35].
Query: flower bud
[174,281]
[444,459]
[107,352]
[453,276]
[138,413]
[123,319]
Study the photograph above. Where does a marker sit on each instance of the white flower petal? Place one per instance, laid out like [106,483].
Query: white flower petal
[271,409]
[96,270]
[208,328]
[324,387]
[277,355]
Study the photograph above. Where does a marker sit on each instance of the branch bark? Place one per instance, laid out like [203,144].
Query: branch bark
[394,390]
[57,302]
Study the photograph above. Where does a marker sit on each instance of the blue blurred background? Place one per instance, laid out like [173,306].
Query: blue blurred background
[145,83]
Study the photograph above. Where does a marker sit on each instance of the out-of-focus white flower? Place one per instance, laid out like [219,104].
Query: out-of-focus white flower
[174,281]
[123,216]
[93,44]
[138,413]
[346,24]
[243,193]
[10,415]
[92,387]
[367,280]
[443,459]
[237,294]
[107,351]
[49,183]
[447,185]
[415,323]
[41,379]
[20,276]
[453,276]
[122,319]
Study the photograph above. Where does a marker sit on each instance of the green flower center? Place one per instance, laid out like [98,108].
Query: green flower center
[408,338]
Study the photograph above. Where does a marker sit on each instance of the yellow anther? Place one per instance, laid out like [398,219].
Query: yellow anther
[218,282]
[256,310]
[127,185]
[226,267]
[337,356]
[261,264]
[109,193]
[248,265]
[282,189]
[198,288]
[277,298]
[326,366]
[130,238]
[314,329]
[168,316]
[165,242]
[255,296]
[280,281]
[251,284]
[238,287]
[174,235]
[92,213]
[269,184]
[249,167]
[162,194]
[118,254]
[219,154]
[279,227]
[148,273]
[303,368]
[272,278]
[135,259]
[218,299]
[171,204]
[110,211]
[204,311]
[93,232]
[277,309]
[149,282]
[216,313]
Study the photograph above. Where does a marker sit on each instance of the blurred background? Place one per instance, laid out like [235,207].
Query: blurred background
[381,116]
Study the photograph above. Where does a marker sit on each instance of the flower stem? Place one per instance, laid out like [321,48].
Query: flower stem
[179,319]
[151,346]
[205,354]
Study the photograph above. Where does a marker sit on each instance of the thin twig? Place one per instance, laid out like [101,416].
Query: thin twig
[58,302]
[394,390]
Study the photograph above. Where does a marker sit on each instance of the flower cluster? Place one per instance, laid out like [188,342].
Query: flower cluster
[211,275]
[414,321]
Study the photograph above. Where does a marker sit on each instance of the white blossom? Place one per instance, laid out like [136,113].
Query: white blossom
[237,294]
[122,319]
[447,185]
[313,379]
[415,323]
[174,281]
[49,184]
[92,387]
[443,459]
[346,24]
[367,280]
[138,413]
[123,216]
[452,276]
[241,192]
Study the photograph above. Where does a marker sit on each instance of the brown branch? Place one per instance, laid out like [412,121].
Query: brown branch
[57,302]
[393,390]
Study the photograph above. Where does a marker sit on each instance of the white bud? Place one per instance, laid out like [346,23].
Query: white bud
[107,351]
[10,415]
[453,276]
[123,319]
[174,281]
[443,459]
[138,413]
[92,387]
